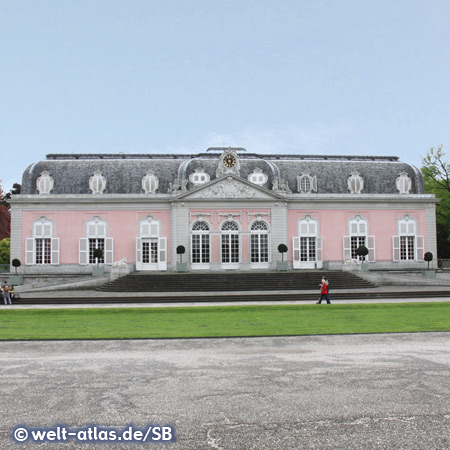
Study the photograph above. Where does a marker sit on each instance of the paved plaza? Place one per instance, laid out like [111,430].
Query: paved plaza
[371,392]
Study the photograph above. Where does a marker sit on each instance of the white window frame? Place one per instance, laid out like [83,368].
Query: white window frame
[203,235]
[308,232]
[199,177]
[96,228]
[257,233]
[150,230]
[230,264]
[407,227]
[42,228]
[258,177]
[358,227]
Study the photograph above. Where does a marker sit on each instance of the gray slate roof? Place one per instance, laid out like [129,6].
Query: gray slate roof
[124,172]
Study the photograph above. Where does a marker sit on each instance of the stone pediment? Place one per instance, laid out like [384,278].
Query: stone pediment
[230,187]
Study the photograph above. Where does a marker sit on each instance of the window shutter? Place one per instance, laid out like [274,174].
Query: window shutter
[420,247]
[138,250]
[347,249]
[371,248]
[29,251]
[396,248]
[83,251]
[319,251]
[312,228]
[109,250]
[162,253]
[314,183]
[354,228]
[303,228]
[55,251]
[296,249]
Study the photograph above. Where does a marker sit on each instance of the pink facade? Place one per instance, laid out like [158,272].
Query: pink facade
[230,211]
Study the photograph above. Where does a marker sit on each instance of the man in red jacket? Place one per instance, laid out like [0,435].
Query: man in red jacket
[323,292]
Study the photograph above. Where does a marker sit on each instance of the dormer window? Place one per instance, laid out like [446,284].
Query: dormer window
[44,183]
[403,183]
[97,183]
[355,183]
[258,177]
[150,182]
[306,183]
[199,177]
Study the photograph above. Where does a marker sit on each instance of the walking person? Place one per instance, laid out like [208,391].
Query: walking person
[323,292]
[5,293]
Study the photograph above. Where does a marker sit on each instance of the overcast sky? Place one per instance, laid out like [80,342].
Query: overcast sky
[290,76]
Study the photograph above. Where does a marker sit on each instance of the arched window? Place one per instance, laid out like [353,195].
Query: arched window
[200,243]
[259,243]
[230,243]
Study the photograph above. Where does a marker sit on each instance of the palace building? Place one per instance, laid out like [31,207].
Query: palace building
[230,210]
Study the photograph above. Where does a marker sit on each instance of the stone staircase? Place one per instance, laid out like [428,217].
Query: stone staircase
[234,281]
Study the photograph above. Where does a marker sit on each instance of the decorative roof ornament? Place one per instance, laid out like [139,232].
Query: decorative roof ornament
[97,183]
[228,163]
[355,183]
[44,184]
[403,183]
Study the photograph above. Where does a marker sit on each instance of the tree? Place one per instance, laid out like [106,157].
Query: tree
[5,251]
[282,248]
[363,251]
[5,217]
[436,178]
[428,257]
[181,251]
[16,263]
[98,254]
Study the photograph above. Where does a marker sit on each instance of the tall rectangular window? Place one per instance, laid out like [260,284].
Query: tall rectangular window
[43,251]
[356,242]
[95,243]
[407,247]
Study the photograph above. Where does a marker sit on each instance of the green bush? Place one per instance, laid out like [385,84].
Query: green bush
[5,245]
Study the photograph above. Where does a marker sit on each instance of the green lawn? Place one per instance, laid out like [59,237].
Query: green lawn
[223,321]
